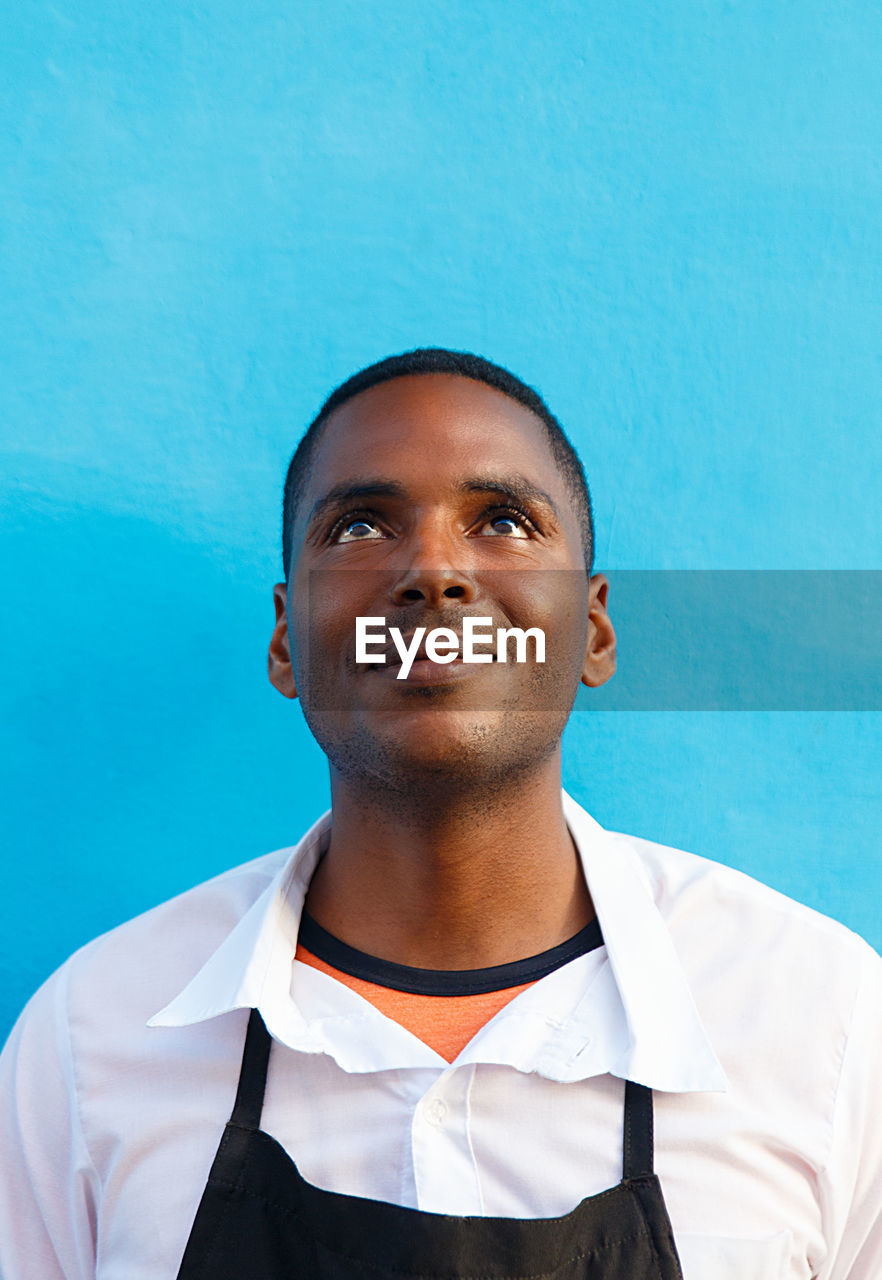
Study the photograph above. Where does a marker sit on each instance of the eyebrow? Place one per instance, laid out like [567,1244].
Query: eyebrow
[343,494]
[516,489]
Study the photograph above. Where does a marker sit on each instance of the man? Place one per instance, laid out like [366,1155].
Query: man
[443,987]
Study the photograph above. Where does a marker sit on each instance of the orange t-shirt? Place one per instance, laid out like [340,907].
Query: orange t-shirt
[445,1023]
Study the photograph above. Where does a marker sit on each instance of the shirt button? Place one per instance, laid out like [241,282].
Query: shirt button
[436,1112]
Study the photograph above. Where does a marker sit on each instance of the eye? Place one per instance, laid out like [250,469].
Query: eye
[506,524]
[356,529]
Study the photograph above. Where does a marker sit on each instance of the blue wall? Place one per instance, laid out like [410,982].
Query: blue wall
[665,216]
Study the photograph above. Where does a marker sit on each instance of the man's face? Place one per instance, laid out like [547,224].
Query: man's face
[431,498]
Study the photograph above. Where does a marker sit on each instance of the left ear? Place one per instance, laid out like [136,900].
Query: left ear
[281,673]
[600,651]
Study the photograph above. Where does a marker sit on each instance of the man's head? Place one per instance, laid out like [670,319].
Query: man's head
[429,360]
[425,498]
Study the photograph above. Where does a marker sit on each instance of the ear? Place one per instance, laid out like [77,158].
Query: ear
[281,673]
[600,651]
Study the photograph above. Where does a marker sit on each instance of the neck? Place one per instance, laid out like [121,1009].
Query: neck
[458,879]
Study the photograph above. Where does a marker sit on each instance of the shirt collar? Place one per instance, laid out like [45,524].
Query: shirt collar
[667,1046]
[633,1016]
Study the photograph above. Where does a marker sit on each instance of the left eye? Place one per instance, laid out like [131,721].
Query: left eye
[504,526]
[360,530]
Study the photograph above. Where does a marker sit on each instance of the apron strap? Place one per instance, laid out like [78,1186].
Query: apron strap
[637,1155]
[252,1077]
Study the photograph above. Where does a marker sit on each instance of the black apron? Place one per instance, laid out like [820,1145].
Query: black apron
[260,1220]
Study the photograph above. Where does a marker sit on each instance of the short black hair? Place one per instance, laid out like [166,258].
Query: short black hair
[439,360]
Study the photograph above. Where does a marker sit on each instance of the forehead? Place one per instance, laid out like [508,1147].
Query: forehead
[430,429]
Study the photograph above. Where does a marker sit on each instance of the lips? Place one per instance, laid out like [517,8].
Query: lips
[394,660]
[424,670]
[393,656]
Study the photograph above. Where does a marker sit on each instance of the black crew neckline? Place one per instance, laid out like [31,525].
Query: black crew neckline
[443,982]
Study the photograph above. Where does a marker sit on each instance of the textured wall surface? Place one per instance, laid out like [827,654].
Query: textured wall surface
[665,216]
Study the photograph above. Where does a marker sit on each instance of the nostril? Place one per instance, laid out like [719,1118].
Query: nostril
[454,593]
[412,593]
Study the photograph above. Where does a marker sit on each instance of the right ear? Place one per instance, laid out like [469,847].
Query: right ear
[281,673]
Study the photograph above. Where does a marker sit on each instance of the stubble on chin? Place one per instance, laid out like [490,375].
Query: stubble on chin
[473,769]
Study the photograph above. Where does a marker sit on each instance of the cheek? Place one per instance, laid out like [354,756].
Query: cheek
[557,601]
[321,622]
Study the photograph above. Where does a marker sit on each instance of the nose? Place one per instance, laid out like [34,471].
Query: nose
[433,575]
[433,586]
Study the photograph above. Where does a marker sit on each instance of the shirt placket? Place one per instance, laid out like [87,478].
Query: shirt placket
[445,1171]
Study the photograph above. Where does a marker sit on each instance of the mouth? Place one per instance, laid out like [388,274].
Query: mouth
[434,656]
[425,671]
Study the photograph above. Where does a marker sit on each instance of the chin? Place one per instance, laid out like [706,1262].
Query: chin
[457,752]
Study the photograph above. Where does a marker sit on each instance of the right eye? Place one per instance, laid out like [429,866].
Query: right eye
[357,529]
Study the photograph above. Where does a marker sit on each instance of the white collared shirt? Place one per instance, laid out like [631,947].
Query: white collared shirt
[757,1022]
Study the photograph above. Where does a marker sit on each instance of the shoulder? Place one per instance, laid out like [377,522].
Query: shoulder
[690,890]
[791,1001]
[775,982]
[83,1078]
[124,976]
